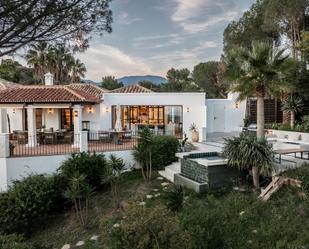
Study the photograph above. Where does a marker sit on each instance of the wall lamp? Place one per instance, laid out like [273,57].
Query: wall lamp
[14,110]
[188,109]
[50,110]
[90,109]
[106,109]
[75,113]
[236,105]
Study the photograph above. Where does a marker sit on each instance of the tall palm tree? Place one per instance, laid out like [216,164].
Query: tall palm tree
[38,57]
[77,70]
[293,104]
[258,72]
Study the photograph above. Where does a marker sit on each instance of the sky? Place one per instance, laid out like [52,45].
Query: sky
[151,36]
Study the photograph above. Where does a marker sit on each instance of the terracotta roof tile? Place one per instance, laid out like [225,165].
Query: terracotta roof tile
[132,89]
[88,88]
[46,94]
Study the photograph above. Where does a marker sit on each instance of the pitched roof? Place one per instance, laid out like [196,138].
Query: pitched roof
[132,89]
[88,88]
[47,94]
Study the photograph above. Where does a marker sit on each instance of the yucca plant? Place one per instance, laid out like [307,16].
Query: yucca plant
[293,105]
[80,192]
[250,153]
[112,175]
[143,152]
[175,198]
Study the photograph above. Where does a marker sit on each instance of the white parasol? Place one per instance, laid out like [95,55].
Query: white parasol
[118,126]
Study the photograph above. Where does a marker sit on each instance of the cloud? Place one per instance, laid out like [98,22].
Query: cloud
[198,15]
[102,60]
[125,19]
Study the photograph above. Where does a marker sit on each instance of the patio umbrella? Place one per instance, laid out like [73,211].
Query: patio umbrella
[118,126]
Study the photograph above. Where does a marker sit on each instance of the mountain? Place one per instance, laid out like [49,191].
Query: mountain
[130,80]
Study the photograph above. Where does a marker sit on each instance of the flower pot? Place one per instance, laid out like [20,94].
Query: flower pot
[195,136]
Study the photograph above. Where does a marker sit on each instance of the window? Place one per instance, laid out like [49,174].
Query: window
[159,116]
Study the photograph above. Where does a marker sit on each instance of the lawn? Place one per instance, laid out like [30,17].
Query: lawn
[231,219]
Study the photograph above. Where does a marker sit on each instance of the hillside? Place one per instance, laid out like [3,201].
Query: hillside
[129,80]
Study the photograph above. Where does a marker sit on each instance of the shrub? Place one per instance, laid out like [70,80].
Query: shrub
[163,151]
[302,174]
[147,228]
[90,165]
[240,221]
[16,242]
[175,198]
[26,204]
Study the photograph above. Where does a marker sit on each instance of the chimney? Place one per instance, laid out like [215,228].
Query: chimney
[49,79]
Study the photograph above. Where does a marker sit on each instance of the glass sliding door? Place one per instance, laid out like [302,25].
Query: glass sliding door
[164,119]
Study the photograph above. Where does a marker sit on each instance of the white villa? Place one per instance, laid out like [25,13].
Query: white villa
[41,125]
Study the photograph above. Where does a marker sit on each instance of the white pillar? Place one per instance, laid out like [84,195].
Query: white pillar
[77,119]
[4,145]
[83,145]
[3,121]
[32,141]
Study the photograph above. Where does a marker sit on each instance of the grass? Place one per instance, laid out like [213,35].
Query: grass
[281,221]
[64,228]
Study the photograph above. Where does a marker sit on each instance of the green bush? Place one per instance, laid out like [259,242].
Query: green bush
[240,221]
[16,242]
[146,228]
[90,165]
[302,174]
[27,203]
[175,198]
[163,151]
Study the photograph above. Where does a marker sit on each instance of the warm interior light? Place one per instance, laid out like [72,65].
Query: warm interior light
[50,110]
[14,110]
[90,109]
[107,110]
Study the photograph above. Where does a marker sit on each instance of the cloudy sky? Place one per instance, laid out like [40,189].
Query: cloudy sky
[151,36]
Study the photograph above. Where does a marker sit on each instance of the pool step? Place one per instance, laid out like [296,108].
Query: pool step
[170,171]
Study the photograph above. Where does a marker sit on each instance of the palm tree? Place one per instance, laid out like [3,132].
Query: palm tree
[259,71]
[250,153]
[293,104]
[38,57]
[77,70]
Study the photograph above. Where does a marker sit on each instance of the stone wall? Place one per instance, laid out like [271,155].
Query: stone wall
[194,171]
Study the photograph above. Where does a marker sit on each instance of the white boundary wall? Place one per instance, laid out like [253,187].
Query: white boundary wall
[16,168]
[225,115]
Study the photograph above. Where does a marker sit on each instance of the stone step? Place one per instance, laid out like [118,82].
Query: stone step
[170,171]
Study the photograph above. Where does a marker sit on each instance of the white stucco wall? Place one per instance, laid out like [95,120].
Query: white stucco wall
[51,120]
[16,117]
[16,168]
[194,102]
[223,116]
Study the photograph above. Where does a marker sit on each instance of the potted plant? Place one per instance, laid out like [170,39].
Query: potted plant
[194,133]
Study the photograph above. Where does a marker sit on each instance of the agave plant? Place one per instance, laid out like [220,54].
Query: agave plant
[250,153]
[293,105]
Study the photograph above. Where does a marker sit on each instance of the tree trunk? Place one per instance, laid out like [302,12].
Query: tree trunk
[260,93]
[256,176]
[292,120]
